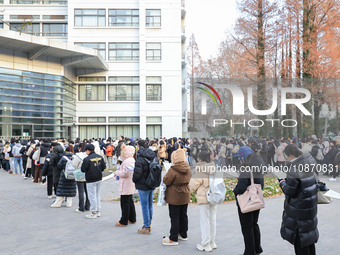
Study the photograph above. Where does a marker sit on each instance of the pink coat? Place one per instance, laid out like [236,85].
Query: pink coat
[125,172]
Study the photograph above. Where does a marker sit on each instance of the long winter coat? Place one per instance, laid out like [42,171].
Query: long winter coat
[299,218]
[56,155]
[125,172]
[142,168]
[66,188]
[199,182]
[177,180]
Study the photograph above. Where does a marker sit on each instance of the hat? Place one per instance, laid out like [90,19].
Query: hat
[244,152]
[89,147]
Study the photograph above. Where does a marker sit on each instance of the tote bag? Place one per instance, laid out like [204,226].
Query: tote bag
[252,199]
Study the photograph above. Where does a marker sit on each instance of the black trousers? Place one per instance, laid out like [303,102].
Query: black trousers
[179,221]
[84,202]
[128,209]
[50,186]
[309,250]
[251,232]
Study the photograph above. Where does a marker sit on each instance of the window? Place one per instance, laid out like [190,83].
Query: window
[124,78]
[92,119]
[92,93]
[124,119]
[89,17]
[25,2]
[100,47]
[153,18]
[123,18]
[131,131]
[30,17]
[153,131]
[32,29]
[153,119]
[126,92]
[97,78]
[123,51]
[88,132]
[55,17]
[153,51]
[54,29]
[153,88]
[1,23]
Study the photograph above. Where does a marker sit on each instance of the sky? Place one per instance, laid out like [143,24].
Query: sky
[209,20]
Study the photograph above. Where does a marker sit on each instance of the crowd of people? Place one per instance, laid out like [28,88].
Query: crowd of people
[47,161]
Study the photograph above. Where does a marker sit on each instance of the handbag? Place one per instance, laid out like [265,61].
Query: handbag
[322,189]
[252,199]
[79,175]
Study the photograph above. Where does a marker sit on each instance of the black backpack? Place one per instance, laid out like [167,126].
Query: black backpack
[155,173]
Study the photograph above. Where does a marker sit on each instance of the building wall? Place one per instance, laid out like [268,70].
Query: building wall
[169,68]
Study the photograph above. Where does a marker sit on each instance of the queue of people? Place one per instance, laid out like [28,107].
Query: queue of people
[48,161]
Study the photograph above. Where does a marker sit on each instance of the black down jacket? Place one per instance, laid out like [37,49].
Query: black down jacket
[56,155]
[299,218]
[66,188]
[142,168]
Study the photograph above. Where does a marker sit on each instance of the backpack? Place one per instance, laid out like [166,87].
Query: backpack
[155,174]
[69,169]
[217,190]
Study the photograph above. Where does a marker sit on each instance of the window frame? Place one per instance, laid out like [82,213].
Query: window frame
[123,16]
[86,93]
[153,50]
[133,51]
[153,24]
[98,15]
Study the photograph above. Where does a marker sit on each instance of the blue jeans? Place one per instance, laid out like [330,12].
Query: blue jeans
[18,162]
[146,199]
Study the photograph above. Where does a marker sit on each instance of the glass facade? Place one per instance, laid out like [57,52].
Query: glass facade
[36,104]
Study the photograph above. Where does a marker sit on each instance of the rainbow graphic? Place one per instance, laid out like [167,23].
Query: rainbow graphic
[209,93]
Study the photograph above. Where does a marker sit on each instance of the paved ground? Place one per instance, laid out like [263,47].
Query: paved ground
[29,226]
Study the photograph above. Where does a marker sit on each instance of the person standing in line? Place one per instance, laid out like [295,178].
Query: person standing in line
[177,196]
[48,172]
[66,187]
[299,220]
[280,157]
[109,153]
[126,187]
[140,174]
[84,202]
[17,158]
[93,166]
[56,155]
[6,157]
[200,185]
[249,221]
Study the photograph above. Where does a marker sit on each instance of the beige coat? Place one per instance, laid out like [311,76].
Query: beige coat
[199,182]
[28,153]
[177,180]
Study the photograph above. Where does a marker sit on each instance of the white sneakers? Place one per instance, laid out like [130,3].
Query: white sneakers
[213,245]
[69,202]
[166,241]
[182,238]
[332,179]
[91,216]
[207,247]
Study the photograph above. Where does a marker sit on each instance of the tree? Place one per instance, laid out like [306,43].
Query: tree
[194,62]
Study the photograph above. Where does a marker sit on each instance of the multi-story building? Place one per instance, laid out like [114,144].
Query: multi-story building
[134,87]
